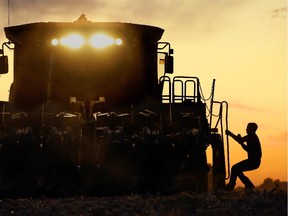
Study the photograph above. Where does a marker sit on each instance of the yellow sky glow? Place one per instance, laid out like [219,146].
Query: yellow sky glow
[242,44]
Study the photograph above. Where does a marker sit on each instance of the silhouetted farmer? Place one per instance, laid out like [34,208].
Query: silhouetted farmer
[253,148]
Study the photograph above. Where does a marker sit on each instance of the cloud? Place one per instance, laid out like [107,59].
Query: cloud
[276,138]
[181,11]
[246,107]
[64,10]
[197,15]
[279,12]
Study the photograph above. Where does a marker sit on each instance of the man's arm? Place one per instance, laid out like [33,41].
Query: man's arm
[238,139]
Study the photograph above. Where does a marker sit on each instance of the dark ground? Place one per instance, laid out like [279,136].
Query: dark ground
[245,203]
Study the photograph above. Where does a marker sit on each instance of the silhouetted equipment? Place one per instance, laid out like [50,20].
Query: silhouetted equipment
[3,64]
[90,113]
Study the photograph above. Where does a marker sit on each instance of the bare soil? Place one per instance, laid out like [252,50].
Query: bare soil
[246,203]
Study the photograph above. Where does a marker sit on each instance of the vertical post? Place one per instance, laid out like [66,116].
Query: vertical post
[8,12]
[212,101]
[198,91]
[219,171]
[49,86]
[3,114]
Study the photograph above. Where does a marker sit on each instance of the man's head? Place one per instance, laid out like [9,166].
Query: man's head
[251,128]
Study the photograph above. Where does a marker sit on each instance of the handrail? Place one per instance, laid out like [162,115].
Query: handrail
[172,97]
[196,92]
[220,119]
[164,79]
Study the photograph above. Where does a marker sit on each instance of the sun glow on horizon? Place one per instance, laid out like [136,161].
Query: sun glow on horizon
[243,45]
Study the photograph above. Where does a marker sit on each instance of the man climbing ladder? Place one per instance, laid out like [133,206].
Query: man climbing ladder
[253,148]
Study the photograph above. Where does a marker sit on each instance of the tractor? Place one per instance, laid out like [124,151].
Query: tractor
[95,109]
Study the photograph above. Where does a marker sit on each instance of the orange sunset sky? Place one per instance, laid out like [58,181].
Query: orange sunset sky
[240,43]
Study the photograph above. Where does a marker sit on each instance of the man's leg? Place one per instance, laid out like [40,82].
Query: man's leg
[246,181]
[247,165]
[234,173]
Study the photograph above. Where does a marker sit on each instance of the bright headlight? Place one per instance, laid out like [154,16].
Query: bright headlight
[118,41]
[101,40]
[73,41]
[55,42]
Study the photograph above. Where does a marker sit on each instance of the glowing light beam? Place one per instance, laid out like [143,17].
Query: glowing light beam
[73,41]
[55,42]
[101,41]
[118,41]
